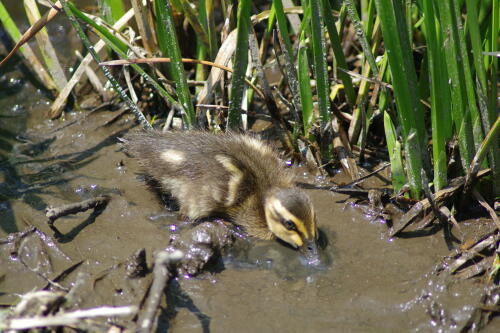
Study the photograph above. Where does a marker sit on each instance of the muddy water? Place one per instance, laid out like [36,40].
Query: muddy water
[368,284]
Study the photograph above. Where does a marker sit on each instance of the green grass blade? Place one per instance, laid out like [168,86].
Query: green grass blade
[271,18]
[305,24]
[492,42]
[201,47]
[282,25]
[360,33]
[289,70]
[368,16]
[170,48]
[192,17]
[111,10]
[489,142]
[394,149]
[240,64]
[120,48]
[411,77]
[341,21]
[440,96]
[14,33]
[47,51]
[70,10]
[305,87]
[339,53]
[383,99]
[454,63]
[212,32]
[319,60]
[473,27]
[405,89]
[467,75]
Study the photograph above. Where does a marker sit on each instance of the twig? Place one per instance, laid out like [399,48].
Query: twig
[484,312]
[53,213]
[288,10]
[269,100]
[368,79]
[184,60]
[361,179]
[289,72]
[49,281]
[343,150]
[490,210]
[145,29]
[16,236]
[203,244]
[169,120]
[45,46]
[283,99]
[69,318]
[162,273]
[62,275]
[93,78]
[212,106]
[473,172]
[57,106]
[425,186]
[56,8]
[473,252]
[423,206]
[223,56]
[106,71]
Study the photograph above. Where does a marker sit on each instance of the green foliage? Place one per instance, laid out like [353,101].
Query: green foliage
[319,59]
[111,10]
[169,46]
[437,69]
[240,64]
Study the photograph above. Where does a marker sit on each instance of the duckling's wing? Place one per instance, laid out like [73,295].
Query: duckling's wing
[195,167]
[188,154]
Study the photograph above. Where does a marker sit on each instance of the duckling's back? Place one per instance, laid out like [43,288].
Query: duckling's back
[210,174]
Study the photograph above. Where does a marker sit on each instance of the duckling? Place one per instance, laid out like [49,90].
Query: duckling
[229,175]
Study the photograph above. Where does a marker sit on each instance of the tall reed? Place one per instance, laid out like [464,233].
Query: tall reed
[426,70]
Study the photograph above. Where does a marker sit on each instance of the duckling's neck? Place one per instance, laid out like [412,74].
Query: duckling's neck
[251,216]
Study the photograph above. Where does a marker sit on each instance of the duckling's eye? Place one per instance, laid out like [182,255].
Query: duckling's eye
[289,224]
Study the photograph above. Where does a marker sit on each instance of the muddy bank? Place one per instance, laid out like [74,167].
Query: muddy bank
[369,283]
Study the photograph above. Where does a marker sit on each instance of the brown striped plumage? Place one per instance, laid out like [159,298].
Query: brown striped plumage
[229,175]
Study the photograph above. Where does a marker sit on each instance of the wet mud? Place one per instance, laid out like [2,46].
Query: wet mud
[366,283]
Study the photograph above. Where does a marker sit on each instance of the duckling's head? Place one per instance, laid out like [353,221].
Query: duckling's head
[290,217]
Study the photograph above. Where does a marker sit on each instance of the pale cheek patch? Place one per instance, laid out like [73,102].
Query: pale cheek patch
[172,156]
[291,238]
[282,211]
[282,233]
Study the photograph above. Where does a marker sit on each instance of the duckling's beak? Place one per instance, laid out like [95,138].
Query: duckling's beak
[310,251]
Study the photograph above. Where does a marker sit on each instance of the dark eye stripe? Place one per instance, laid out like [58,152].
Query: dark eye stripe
[289,224]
